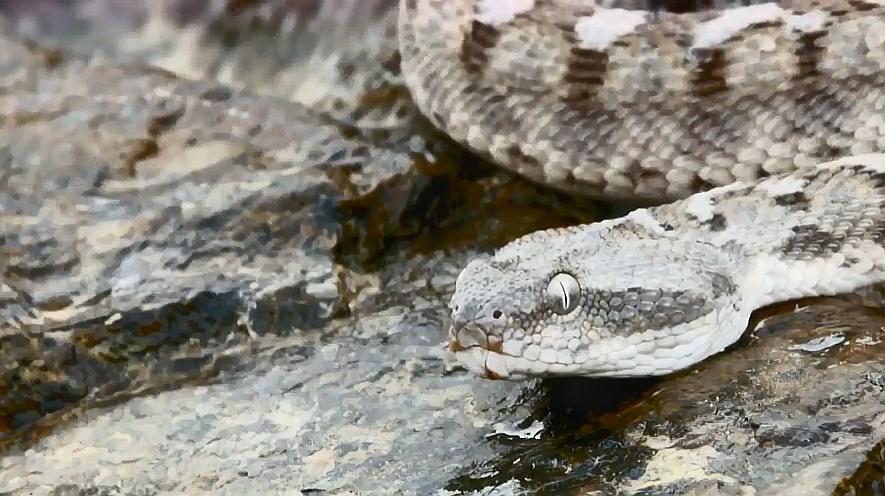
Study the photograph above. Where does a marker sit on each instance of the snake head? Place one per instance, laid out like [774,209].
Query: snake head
[614,300]
[482,317]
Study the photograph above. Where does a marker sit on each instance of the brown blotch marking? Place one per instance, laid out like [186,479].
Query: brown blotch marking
[878,179]
[715,223]
[680,6]
[55,303]
[819,175]
[819,105]
[734,193]
[639,175]
[622,308]
[518,156]
[698,184]
[216,94]
[394,63]
[808,54]
[568,27]
[812,176]
[810,239]
[160,123]
[833,153]
[861,5]
[455,346]
[797,200]
[765,25]
[868,476]
[51,57]
[138,150]
[237,6]
[708,78]
[438,119]
[850,262]
[476,44]
[491,375]
[584,74]
[496,346]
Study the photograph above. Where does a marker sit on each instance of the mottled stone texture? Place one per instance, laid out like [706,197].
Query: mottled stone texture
[150,223]
[239,287]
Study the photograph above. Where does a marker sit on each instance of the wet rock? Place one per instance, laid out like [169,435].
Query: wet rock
[237,284]
[145,217]
[153,226]
[376,406]
[758,419]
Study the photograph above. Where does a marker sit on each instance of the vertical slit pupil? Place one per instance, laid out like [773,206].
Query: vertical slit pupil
[564,296]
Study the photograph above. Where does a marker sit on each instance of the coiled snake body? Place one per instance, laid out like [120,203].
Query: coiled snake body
[766,121]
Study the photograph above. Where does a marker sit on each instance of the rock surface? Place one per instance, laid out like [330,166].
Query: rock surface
[227,244]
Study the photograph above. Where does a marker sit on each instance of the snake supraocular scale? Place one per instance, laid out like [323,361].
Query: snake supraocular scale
[740,108]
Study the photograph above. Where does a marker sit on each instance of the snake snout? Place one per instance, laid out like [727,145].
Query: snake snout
[478,351]
[463,336]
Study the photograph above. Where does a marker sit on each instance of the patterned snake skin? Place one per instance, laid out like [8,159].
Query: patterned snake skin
[625,104]
[745,105]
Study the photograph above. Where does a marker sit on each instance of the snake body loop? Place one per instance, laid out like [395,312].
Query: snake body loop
[765,122]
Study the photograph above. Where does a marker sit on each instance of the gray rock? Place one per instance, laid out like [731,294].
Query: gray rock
[150,222]
[241,288]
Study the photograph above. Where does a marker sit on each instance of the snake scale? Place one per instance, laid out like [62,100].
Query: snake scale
[763,122]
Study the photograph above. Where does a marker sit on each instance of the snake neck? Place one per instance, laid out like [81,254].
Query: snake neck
[817,231]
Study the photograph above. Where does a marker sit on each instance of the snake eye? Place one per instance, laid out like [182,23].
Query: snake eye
[563,293]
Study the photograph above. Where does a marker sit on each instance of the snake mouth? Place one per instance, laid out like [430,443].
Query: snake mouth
[480,352]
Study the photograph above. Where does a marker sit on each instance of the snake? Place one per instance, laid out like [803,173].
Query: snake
[752,136]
